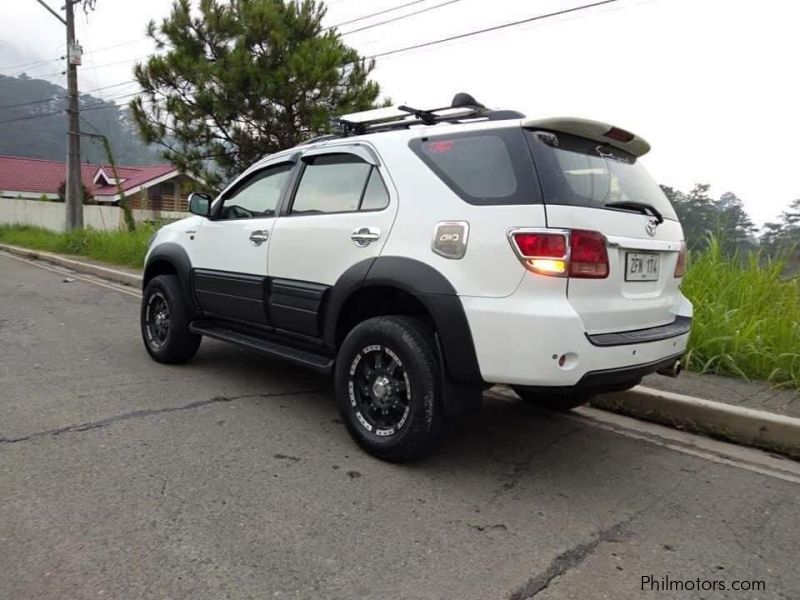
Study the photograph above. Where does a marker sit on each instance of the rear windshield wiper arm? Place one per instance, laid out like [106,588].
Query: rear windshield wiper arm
[641,207]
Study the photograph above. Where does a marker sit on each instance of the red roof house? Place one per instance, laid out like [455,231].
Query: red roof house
[32,178]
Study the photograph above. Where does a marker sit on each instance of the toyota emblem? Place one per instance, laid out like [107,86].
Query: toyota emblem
[651,226]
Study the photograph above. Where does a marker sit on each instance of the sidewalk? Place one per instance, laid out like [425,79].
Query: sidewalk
[81,264]
[757,395]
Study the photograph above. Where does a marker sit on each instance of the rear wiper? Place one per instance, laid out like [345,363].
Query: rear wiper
[641,207]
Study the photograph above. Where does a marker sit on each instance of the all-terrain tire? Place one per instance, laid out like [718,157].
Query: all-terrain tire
[164,320]
[394,353]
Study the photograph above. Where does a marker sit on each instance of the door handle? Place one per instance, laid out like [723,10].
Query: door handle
[258,237]
[365,235]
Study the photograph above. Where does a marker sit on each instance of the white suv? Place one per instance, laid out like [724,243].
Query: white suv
[422,256]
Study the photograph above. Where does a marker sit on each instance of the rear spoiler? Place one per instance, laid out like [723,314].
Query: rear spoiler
[593,130]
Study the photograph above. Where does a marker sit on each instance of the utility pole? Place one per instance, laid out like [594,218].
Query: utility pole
[74,200]
[74,192]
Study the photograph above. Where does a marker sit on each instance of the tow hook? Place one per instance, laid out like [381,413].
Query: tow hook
[671,371]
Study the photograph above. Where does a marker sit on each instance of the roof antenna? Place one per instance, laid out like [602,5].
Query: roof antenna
[464,100]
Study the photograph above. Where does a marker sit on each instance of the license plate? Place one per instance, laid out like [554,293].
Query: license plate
[641,266]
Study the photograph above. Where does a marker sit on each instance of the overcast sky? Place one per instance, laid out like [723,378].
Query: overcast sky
[714,85]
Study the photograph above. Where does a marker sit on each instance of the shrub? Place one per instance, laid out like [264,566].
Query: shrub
[118,247]
[747,316]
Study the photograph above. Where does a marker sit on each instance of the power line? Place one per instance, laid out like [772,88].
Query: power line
[111,64]
[96,106]
[375,14]
[488,29]
[128,43]
[42,63]
[83,93]
[32,64]
[401,17]
[374,56]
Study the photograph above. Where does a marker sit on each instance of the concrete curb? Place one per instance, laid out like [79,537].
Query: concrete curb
[744,426]
[733,423]
[76,265]
[758,428]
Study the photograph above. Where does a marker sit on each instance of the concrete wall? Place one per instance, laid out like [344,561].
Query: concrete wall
[51,215]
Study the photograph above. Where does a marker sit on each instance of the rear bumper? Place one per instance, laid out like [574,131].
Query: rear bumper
[678,327]
[519,340]
[609,380]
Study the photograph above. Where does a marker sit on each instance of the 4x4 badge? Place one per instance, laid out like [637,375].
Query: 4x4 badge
[651,226]
[450,239]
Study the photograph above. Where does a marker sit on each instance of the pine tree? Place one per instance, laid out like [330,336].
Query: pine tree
[238,80]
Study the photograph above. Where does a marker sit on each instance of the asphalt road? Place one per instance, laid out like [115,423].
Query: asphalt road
[232,477]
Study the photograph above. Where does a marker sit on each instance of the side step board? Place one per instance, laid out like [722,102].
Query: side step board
[305,358]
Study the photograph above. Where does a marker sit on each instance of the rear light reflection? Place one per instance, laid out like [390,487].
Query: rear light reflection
[576,253]
[680,266]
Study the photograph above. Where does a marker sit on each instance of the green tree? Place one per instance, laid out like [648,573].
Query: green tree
[88,198]
[701,215]
[783,237]
[697,212]
[237,80]
[734,226]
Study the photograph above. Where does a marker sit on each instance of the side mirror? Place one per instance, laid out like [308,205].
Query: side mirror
[199,204]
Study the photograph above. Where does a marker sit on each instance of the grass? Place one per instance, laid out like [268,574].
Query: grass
[747,317]
[117,247]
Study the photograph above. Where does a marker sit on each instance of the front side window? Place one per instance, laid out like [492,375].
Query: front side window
[257,196]
[336,183]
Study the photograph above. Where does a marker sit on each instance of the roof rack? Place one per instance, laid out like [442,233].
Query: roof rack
[463,108]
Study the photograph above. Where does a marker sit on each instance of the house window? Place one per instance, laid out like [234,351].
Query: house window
[155,193]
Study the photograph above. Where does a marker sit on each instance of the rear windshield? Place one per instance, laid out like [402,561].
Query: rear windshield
[482,167]
[580,172]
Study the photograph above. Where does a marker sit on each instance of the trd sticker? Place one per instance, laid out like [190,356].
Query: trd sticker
[440,147]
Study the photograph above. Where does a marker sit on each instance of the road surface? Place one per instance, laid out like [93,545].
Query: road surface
[233,477]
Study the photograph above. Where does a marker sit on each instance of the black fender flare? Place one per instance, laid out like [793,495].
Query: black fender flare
[175,255]
[434,291]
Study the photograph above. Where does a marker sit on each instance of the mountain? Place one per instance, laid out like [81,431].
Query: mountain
[29,128]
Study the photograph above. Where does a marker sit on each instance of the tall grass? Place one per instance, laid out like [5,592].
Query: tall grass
[118,247]
[747,316]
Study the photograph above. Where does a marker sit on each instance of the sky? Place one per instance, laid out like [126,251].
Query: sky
[713,85]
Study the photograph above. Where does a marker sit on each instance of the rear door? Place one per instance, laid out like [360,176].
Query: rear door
[340,213]
[587,185]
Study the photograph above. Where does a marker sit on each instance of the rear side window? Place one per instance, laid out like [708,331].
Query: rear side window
[336,183]
[376,197]
[482,167]
[581,172]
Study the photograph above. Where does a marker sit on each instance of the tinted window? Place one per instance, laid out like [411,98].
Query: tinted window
[580,172]
[483,167]
[376,197]
[258,196]
[331,183]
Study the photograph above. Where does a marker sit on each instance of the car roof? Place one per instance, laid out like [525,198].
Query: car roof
[594,130]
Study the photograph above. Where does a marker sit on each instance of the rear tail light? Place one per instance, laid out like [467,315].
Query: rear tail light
[542,252]
[575,253]
[588,257]
[680,266]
